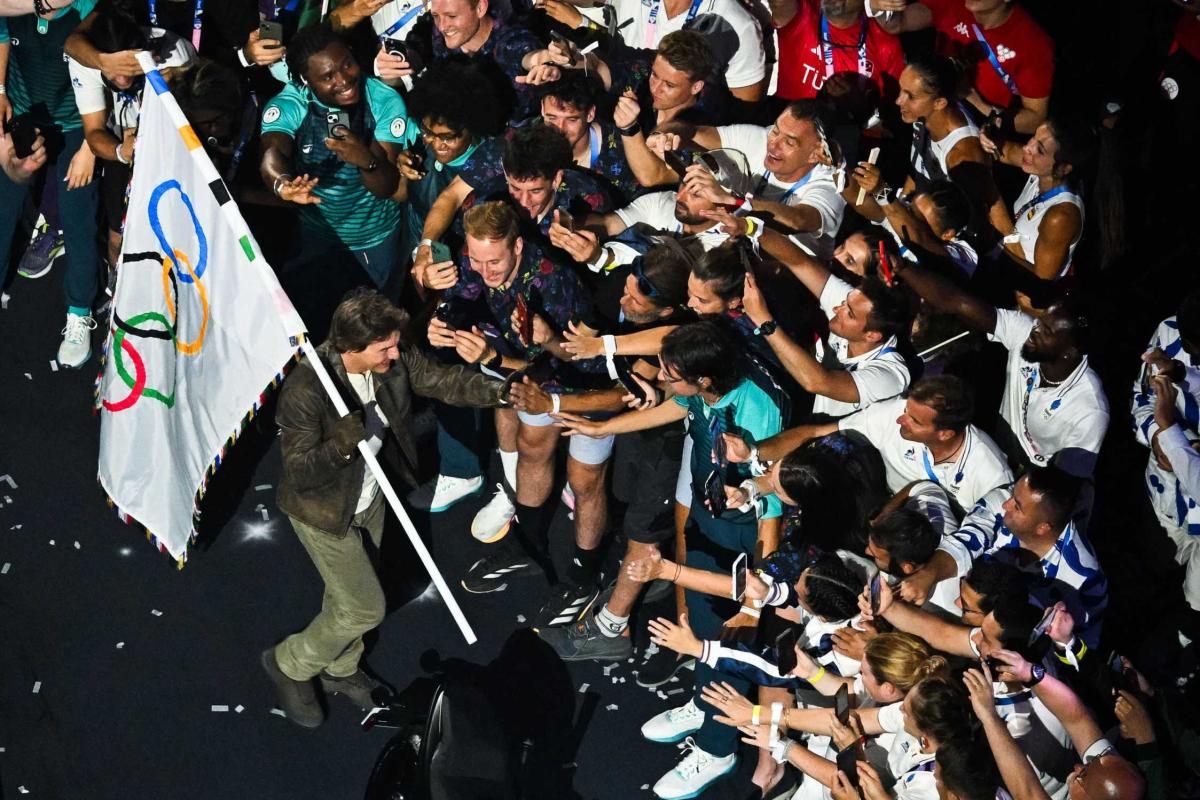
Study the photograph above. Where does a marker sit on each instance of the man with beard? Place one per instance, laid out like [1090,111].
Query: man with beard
[1053,409]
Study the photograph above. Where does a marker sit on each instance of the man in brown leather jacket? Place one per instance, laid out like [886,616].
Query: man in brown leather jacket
[332,498]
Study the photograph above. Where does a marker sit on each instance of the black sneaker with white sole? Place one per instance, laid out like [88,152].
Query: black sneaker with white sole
[492,573]
[566,603]
[583,641]
[661,667]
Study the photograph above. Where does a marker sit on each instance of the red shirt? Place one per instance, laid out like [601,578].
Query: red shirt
[1025,51]
[1187,36]
[802,62]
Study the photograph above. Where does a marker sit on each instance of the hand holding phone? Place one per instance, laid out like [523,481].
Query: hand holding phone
[714,491]
[841,705]
[739,577]
[566,220]
[24,134]
[875,587]
[269,30]
[338,123]
[847,762]
[677,161]
[785,651]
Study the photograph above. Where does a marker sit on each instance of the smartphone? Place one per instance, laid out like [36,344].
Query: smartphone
[1042,626]
[24,134]
[875,587]
[336,120]
[994,128]
[416,157]
[739,576]
[440,252]
[847,762]
[885,266]
[714,490]
[719,454]
[627,381]
[567,46]
[566,220]
[785,651]
[270,30]
[708,161]
[524,321]
[841,705]
[398,48]
[995,665]
[1123,678]
[677,161]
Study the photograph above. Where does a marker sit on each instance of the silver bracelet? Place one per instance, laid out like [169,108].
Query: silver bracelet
[3,89]
[278,182]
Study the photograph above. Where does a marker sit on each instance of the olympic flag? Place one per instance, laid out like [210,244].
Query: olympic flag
[200,328]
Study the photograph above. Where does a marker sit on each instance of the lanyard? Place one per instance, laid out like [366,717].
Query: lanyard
[196,14]
[961,465]
[827,48]
[1041,198]
[400,23]
[882,351]
[1054,404]
[594,145]
[291,6]
[991,54]
[766,181]
[652,22]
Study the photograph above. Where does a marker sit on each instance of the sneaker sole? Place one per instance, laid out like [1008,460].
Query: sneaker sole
[457,500]
[44,271]
[673,739]
[680,664]
[495,537]
[703,788]
[76,365]
[612,657]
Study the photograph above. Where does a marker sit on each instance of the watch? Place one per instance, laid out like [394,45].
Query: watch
[767,328]
[1036,673]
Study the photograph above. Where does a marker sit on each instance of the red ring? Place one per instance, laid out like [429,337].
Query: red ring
[139,379]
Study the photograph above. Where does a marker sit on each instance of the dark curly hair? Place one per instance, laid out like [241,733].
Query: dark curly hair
[456,95]
[832,589]
[536,151]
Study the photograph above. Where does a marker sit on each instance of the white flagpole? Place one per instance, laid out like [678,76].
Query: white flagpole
[393,499]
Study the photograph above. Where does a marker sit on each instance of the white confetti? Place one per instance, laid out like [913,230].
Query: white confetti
[631,661]
[608,669]
[4,301]
[614,680]
[77,547]
[677,691]
[674,679]
[22,790]
[584,687]
[8,499]
[262,487]
[4,570]
[120,645]
[645,786]
[278,712]
[622,680]
[37,687]
[16,527]
[266,517]
[53,365]
[521,618]
[661,694]
[156,612]
[9,480]
[27,375]
[52,543]
[612,706]
[239,708]
[220,708]
[1,750]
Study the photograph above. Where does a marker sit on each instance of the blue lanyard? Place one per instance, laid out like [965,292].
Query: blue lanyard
[1041,198]
[991,54]
[766,181]
[827,48]
[883,351]
[595,146]
[196,14]
[290,7]
[652,22]
[958,476]
[400,23]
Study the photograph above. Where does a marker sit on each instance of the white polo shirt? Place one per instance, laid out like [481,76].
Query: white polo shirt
[1063,423]
[933,501]
[657,210]
[878,374]
[979,467]
[816,189]
[912,768]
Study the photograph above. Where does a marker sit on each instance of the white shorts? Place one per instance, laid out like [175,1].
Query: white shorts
[584,449]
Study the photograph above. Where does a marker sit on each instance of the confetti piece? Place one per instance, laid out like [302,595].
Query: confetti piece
[156,612]
[631,661]
[622,680]
[120,645]
[262,487]
[53,366]
[265,516]
[16,527]
[8,479]
[278,712]
[645,786]
[661,694]
[4,570]
[22,790]
[239,708]
[1,750]
[614,680]
[220,708]
[30,377]
[612,706]
[4,302]
[608,669]
[77,547]
[674,679]
[52,543]
[676,691]
[583,688]
[521,618]
[37,687]
[8,499]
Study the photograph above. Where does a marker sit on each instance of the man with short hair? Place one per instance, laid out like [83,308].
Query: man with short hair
[906,534]
[333,500]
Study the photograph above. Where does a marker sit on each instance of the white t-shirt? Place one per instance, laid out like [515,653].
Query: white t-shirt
[931,500]
[733,32]
[657,210]
[979,467]
[375,423]
[1028,220]
[878,374]
[91,94]
[1066,422]
[912,768]
[816,189]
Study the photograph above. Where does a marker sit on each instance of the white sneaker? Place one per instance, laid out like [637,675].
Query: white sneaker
[568,497]
[492,522]
[450,490]
[694,773]
[674,723]
[76,347]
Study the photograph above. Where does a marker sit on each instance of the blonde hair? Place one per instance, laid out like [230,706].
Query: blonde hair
[491,222]
[901,659]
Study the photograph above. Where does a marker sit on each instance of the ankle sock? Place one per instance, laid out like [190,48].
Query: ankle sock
[79,311]
[584,565]
[509,462]
[610,624]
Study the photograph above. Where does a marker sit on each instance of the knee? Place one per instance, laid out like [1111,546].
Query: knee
[362,613]
[587,480]
[635,550]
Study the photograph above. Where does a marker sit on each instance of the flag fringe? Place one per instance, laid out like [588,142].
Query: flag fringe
[263,397]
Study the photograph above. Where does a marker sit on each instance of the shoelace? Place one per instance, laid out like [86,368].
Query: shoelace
[694,759]
[78,327]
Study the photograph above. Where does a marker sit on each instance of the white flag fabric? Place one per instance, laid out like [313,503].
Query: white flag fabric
[200,329]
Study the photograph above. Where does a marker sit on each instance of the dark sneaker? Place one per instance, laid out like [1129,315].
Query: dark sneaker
[492,573]
[583,641]
[44,248]
[566,604]
[298,699]
[661,667]
[365,691]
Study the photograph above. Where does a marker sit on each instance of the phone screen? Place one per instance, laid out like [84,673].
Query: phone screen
[875,582]
[739,576]
[785,651]
[626,379]
[841,705]
[524,321]
[714,490]
[847,762]
[566,220]
[440,252]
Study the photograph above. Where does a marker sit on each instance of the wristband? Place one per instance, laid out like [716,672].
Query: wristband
[776,715]
[555,403]
[758,467]
[241,56]
[755,715]
[816,676]
[632,129]
[495,362]
[871,11]
[750,612]
[885,196]
[282,179]
[779,750]
[3,89]
[751,490]
[121,159]
[610,350]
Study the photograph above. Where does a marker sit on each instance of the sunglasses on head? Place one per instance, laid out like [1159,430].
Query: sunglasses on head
[644,284]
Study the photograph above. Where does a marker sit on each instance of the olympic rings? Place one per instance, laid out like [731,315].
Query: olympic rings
[193,347]
[156,226]
[122,344]
[139,383]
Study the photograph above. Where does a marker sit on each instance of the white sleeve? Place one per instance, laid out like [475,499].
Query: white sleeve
[932,501]
[649,209]
[833,295]
[891,718]
[917,786]
[879,379]
[829,203]
[88,86]
[873,422]
[1183,459]
[748,65]
[750,139]
[1012,328]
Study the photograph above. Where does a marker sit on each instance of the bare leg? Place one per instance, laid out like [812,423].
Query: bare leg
[535,469]
[591,502]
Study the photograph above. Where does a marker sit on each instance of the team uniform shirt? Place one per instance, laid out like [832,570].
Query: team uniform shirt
[1069,571]
[375,423]
[808,57]
[38,79]
[1174,503]
[1062,424]
[507,46]
[607,162]
[929,156]
[878,374]
[979,467]
[912,768]
[348,213]
[397,19]
[1029,209]
[657,211]
[814,636]
[1019,48]
[734,34]
[816,189]
[92,95]
[933,502]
